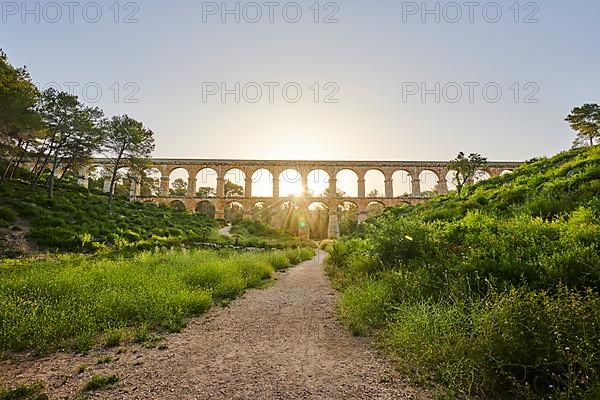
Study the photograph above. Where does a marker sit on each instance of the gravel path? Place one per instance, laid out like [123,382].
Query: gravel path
[283,342]
[226,231]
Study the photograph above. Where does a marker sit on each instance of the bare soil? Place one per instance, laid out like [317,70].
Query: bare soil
[282,342]
[14,239]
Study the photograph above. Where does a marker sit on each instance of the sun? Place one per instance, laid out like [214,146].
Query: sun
[290,183]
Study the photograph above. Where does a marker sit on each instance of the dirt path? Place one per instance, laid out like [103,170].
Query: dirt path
[283,342]
[226,231]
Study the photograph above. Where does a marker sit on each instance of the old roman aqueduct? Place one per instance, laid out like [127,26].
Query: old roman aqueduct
[327,171]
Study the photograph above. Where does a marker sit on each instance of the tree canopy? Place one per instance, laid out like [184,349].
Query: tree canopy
[585,120]
[18,99]
[466,168]
[129,144]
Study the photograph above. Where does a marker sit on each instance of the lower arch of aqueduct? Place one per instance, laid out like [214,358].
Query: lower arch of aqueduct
[191,201]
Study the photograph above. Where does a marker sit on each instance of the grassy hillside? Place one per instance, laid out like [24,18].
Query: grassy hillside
[494,294]
[546,188]
[78,220]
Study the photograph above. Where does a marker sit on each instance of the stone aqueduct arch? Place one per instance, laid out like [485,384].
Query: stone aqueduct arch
[332,168]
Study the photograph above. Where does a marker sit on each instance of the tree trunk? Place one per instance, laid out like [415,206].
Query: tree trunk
[51,148]
[113,179]
[12,158]
[67,168]
[39,173]
[38,158]
[51,179]
[8,167]
[19,160]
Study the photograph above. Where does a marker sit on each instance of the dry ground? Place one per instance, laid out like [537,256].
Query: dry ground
[283,342]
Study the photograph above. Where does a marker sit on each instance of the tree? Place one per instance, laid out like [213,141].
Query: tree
[347,218]
[339,193]
[206,192]
[129,143]
[234,213]
[19,121]
[373,193]
[87,138]
[233,190]
[179,188]
[586,121]
[466,168]
[150,186]
[74,133]
[18,97]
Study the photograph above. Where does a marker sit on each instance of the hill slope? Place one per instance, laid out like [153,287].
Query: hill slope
[76,220]
[494,294]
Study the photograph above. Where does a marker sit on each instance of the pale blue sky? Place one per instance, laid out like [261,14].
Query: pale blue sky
[370,54]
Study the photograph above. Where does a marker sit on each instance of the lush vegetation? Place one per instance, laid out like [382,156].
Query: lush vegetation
[252,233]
[35,391]
[77,221]
[71,301]
[494,294]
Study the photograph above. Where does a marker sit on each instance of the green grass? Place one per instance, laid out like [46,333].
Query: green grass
[252,233]
[100,382]
[75,302]
[492,295]
[79,221]
[24,392]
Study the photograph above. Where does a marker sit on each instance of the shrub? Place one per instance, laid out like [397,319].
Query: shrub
[8,215]
[24,392]
[518,343]
[56,237]
[279,260]
[59,225]
[296,256]
[113,337]
[402,239]
[100,382]
[365,307]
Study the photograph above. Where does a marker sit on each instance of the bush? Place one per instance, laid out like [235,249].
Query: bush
[400,239]
[517,343]
[296,256]
[100,382]
[7,215]
[365,307]
[56,238]
[279,260]
[24,392]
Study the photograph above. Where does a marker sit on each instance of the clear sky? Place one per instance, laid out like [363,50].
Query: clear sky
[376,57]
